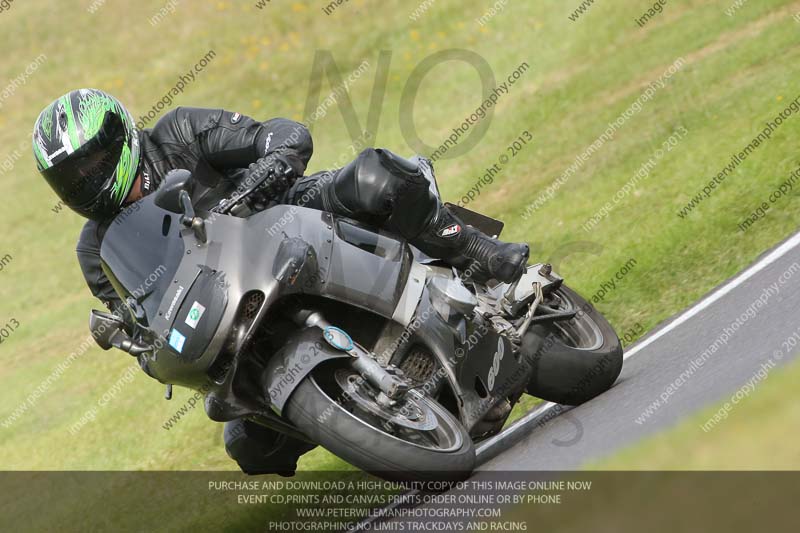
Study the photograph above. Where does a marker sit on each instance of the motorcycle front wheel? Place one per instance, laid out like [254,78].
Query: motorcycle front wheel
[414,439]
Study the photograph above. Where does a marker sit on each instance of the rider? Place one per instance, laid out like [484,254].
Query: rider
[88,149]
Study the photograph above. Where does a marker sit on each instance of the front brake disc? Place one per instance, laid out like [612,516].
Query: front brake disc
[410,412]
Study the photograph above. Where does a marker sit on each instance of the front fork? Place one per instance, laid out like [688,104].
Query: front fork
[392,385]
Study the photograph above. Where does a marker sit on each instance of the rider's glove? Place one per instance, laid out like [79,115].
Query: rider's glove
[280,174]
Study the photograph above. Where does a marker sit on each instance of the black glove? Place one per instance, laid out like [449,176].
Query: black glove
[280,175]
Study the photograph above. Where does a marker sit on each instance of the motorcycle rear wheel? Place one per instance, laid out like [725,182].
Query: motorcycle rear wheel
[574,360]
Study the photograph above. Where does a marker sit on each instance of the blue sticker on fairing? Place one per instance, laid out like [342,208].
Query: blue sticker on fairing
[176,340]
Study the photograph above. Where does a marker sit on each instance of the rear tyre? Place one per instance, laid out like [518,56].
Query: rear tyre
[418,441]
[573,360]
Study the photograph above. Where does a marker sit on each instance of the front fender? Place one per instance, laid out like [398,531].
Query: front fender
[303,352]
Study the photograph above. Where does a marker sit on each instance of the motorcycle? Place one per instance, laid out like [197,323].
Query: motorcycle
[341,334]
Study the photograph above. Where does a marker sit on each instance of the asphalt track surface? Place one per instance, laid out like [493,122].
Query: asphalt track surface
[756,309]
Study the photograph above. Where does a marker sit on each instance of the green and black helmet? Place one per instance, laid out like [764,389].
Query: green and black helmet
[87,148]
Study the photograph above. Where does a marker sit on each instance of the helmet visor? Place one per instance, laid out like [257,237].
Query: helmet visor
[80,177]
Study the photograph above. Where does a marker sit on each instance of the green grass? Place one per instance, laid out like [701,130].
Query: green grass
[739,73]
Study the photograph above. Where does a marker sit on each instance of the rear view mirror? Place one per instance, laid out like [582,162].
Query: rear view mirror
[104,327]
[168,196]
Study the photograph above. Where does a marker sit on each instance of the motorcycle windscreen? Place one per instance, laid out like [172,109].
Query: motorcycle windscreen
[141,252]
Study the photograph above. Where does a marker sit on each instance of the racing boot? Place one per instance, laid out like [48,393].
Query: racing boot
[479,256]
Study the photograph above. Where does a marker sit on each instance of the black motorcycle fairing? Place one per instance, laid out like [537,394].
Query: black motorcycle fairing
[142,277]
[198,317]
[369,272]
[278,252]
[369,239]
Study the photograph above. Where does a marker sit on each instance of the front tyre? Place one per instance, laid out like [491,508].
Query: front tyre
[416,440]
